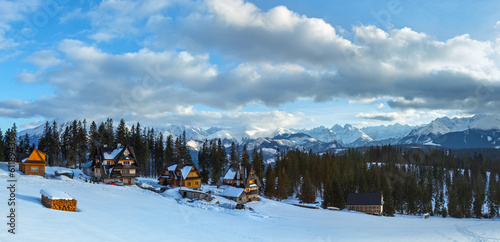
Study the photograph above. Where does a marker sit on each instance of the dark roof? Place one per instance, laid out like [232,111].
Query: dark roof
[22,157]
[245,171]
[364,199]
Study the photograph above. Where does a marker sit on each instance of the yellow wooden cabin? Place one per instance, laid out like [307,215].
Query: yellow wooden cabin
[181,175]
[33,164]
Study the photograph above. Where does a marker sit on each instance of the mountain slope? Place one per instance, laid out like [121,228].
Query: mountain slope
[128,213]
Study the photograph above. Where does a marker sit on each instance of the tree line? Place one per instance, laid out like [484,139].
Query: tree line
[72,144]
[412,181]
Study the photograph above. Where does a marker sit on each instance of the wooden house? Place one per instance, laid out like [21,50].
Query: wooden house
[58,200]
[116,163]
[181,175]
[240,183]
[33,164]
[370,203]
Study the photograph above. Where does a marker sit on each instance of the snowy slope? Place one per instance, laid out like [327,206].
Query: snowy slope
[382,132]
[128,213]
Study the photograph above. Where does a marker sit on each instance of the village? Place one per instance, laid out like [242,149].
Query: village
[179,206]
[117,166]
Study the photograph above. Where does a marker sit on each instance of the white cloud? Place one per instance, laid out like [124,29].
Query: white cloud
[27,77]
[10,12]
[118,19]
[274,57]
[404,117]
[44,59]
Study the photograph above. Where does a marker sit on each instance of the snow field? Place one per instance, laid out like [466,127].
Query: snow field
[129,213]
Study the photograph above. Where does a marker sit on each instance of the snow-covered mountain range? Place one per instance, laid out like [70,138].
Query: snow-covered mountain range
[480,131]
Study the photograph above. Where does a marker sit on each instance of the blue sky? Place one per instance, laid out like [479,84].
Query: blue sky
[253,64]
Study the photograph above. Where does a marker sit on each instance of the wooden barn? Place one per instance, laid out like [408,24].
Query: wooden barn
[58,200]
[370,203]
[181,175]
[240,183]
[33,164]
[117,163]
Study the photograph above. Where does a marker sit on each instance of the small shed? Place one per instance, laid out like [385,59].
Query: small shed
[233,193]
[192,194]
[58,200]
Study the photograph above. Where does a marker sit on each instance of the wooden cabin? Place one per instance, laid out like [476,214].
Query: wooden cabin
[240,183]
[181,175]
[58,200]
[33,164]
[116,163]
[370,203]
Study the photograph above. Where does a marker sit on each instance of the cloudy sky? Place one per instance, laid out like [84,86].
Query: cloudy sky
[257,64]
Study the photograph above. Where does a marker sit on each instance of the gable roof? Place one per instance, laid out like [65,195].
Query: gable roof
[364,199]
[35,157]
[230,191]
[230,174]
[112,153]
[243,173]
[184,169]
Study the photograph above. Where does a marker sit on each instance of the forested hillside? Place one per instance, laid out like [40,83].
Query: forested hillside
[412,182]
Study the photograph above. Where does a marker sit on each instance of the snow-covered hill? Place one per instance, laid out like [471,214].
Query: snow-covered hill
[129,213]
[480,131]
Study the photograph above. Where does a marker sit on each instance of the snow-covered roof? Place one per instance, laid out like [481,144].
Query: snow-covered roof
[185,171]
[63,171]
[253,185]
[230,191]
[24,160]
[113,154]
[172,167]
[230,174]
[55,194]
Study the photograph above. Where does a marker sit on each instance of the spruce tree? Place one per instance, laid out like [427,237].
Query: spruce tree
[270,183]
[479,195]
[245,158]
[307,191]
[121,136]
[258,163]
[492,194]
[233,154]
[169,151]
[11,143]
[2,147]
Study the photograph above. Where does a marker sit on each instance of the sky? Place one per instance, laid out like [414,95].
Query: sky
[248,64]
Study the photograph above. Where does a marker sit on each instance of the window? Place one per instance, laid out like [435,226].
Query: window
[125,171]
[252,174]
[196,183]
[189,184]
[34,169]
